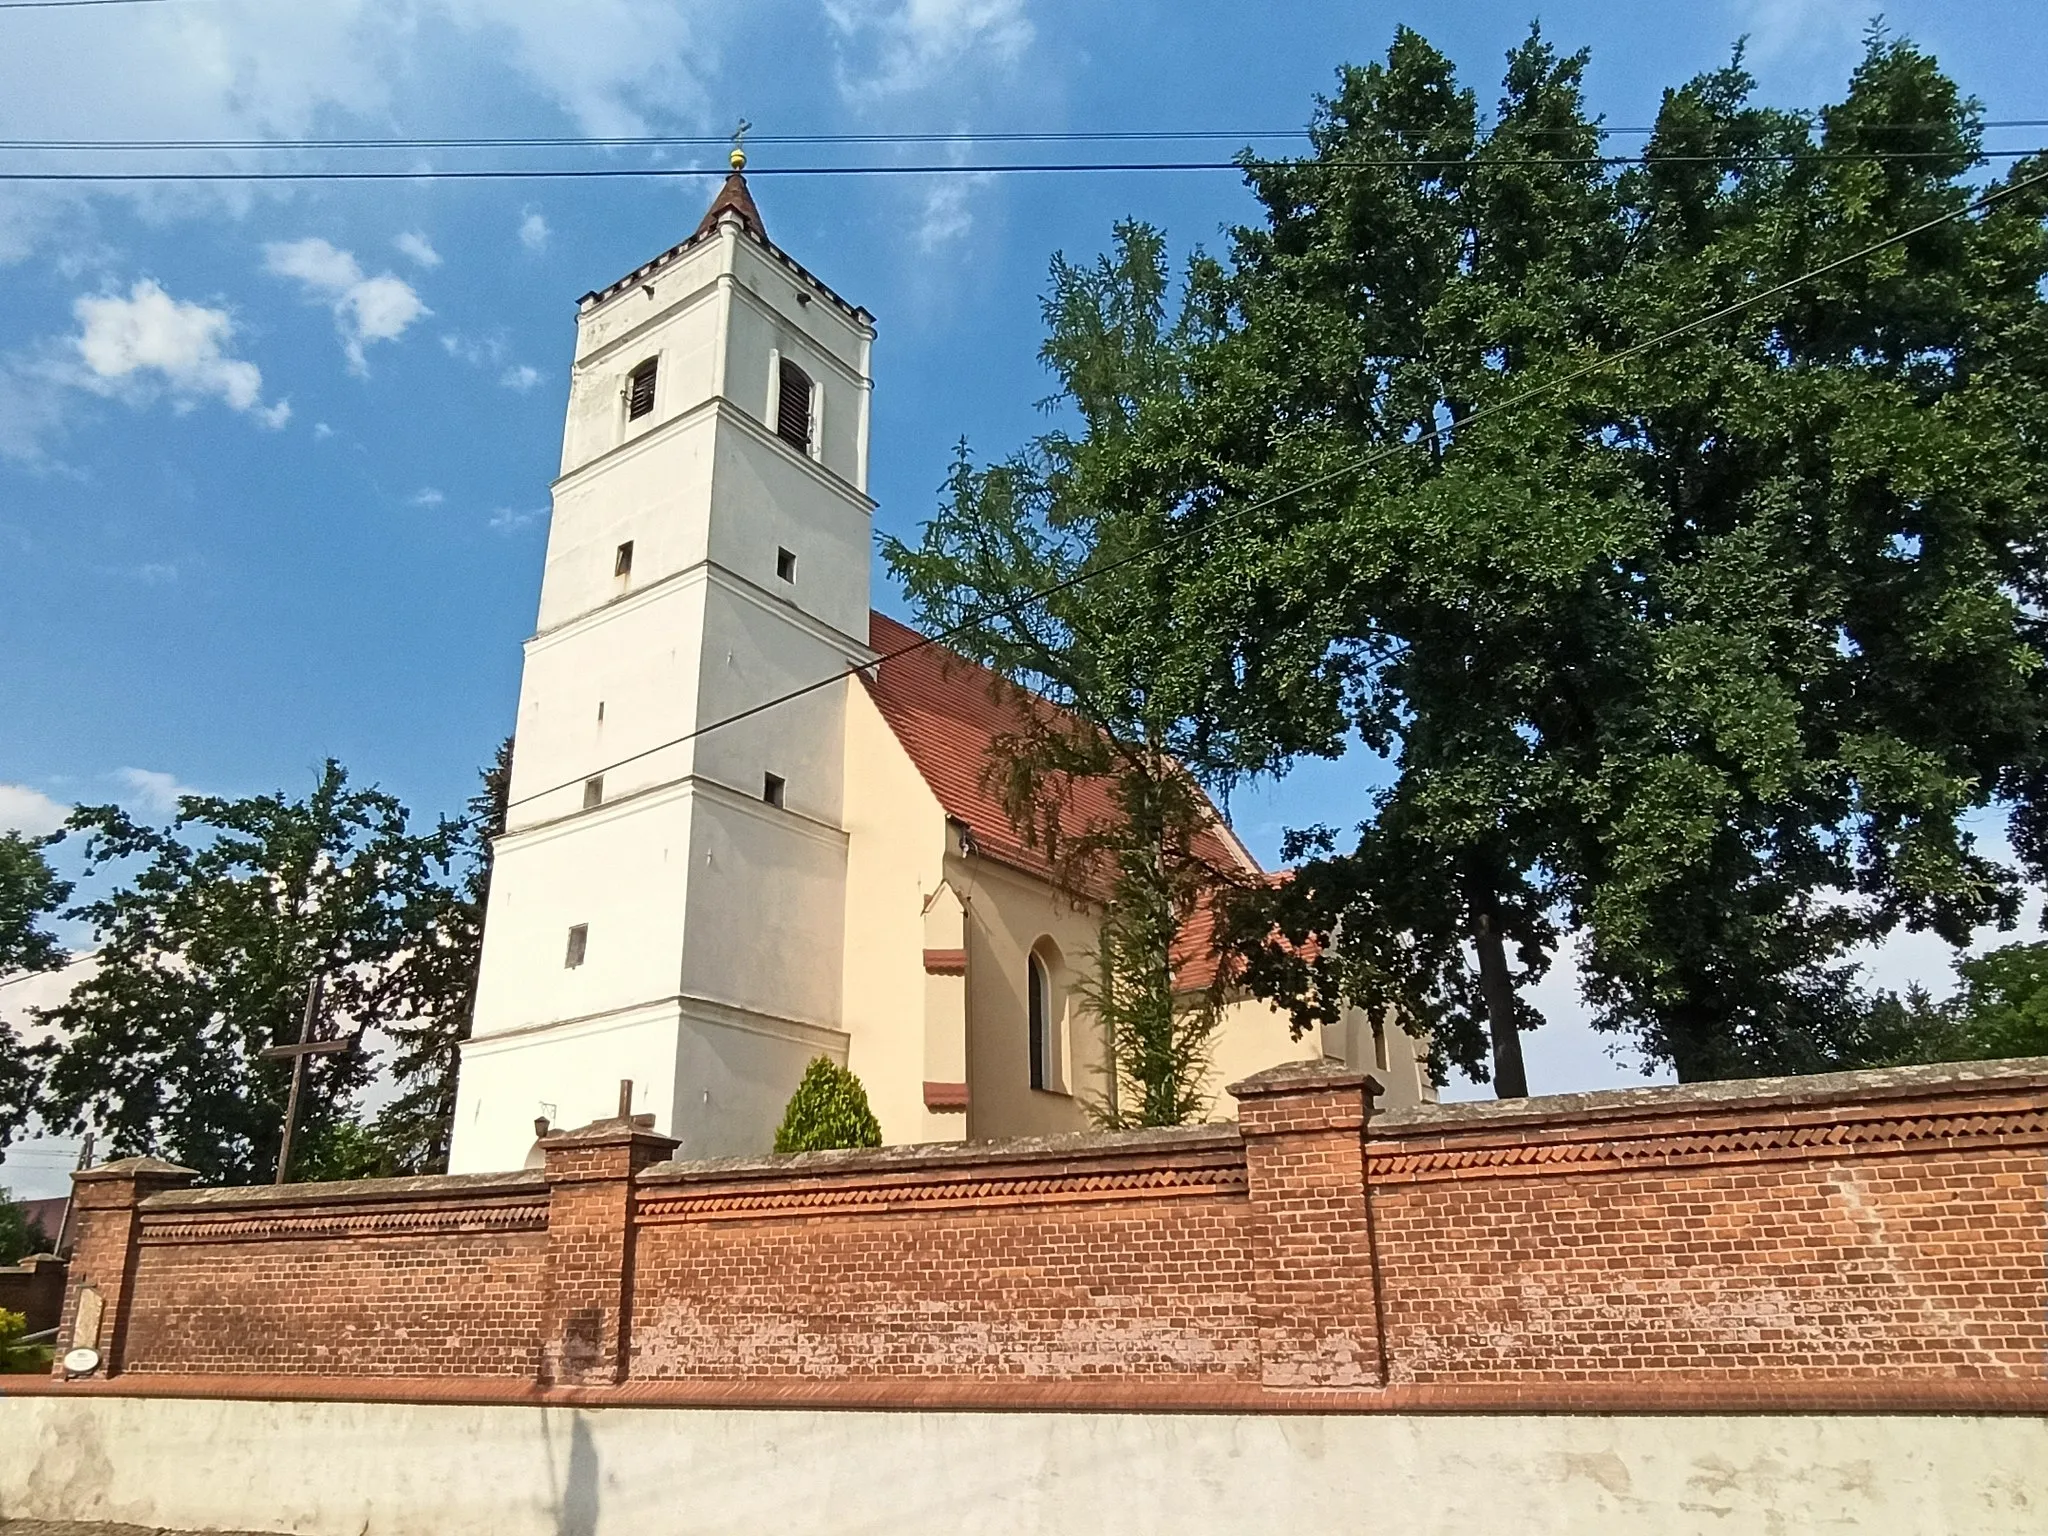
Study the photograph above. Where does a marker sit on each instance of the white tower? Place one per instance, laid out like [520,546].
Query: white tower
[666,908]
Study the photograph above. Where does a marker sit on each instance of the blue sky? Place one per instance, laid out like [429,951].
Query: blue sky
[274,461]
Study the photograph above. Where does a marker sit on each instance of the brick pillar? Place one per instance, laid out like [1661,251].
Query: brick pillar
[1313,1282]
[586,1326]
[104,1223]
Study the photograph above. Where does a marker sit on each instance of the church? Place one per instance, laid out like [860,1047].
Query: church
[699,890]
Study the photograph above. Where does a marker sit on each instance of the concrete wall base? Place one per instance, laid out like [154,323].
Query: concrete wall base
[389,1469]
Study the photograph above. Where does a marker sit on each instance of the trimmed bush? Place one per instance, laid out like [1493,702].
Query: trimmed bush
[829,1109]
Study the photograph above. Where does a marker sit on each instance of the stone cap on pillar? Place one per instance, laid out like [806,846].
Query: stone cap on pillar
[126,1180]
[1320,1094]
[616,1147]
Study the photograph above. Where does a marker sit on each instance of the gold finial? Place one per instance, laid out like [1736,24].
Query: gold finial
[739,145]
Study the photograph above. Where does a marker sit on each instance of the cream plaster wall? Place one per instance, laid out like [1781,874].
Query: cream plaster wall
[895,869]
[1007,913]
[367,1469]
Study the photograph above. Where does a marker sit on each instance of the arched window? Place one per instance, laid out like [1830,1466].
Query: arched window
[1043,1013]
[793,406]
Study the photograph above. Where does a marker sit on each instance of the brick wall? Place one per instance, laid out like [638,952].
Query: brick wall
[389,1277]
[1870,1240]
[35,1289]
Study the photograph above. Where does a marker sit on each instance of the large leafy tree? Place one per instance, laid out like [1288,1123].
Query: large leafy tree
[206,949]
[29,892]
[1708,652]
[434,1003]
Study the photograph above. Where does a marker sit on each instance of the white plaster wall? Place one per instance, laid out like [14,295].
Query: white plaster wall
[624,870]
[569,1072]
[734,1075]
[656,492]
[752,653]
[343,1469]
[766,914]
[769,496]
[639,660]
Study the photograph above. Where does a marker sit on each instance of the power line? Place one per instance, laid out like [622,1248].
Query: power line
[657,172]
[1342,471]
[680,140]
[69,5]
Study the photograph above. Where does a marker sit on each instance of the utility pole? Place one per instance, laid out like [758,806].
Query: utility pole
[308,1045]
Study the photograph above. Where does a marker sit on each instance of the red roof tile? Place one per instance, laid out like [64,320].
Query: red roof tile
[948,713]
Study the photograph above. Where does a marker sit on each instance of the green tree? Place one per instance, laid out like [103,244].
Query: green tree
[1107,783]
[1706,653]
[19,1236]
[434,996]
[29,892]
[206,950]
[1999,1010]
[828,1110]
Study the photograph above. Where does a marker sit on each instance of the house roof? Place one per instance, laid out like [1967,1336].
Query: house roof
[949,712]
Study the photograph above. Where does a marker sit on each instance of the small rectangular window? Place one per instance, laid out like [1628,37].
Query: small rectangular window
[600,711]
[785,564]
[622,562]
[793,406]
[579,942]
[771,788]
[593,792]
[640,391]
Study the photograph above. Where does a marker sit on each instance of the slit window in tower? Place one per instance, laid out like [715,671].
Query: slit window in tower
[622,561]
[640,391]
[793,406]
[785,564]
[771,789]
[593,793]
[579,945]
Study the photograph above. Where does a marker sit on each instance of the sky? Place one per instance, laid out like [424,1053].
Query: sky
[274,459]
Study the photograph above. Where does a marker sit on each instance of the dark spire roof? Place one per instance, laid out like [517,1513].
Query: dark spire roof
[734,196]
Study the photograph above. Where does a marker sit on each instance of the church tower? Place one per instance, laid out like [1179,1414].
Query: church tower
[667,906]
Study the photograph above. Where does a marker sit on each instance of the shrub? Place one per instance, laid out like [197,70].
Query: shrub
[829,1109]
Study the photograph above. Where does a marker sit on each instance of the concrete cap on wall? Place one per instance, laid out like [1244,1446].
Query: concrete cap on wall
[135,1168]
[1320,1076]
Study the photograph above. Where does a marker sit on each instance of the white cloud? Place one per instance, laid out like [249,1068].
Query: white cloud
[322,430]
[511,520]
[415,247]
[126,344]
[945,216]
[29,811]
[366,309]
[890,47]
[426,496]
[607,63]
[257,69]
[154,792]
[534,231]
[1780,28]
[522,377]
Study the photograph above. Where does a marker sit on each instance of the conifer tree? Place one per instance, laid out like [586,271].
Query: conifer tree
[829,1110]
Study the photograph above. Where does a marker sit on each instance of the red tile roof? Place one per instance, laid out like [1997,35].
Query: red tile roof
[948,713]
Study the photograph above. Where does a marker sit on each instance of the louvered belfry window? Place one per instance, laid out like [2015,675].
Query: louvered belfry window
[793,407]
[640,391]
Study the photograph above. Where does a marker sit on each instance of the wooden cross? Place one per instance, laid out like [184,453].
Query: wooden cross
[339,1045]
